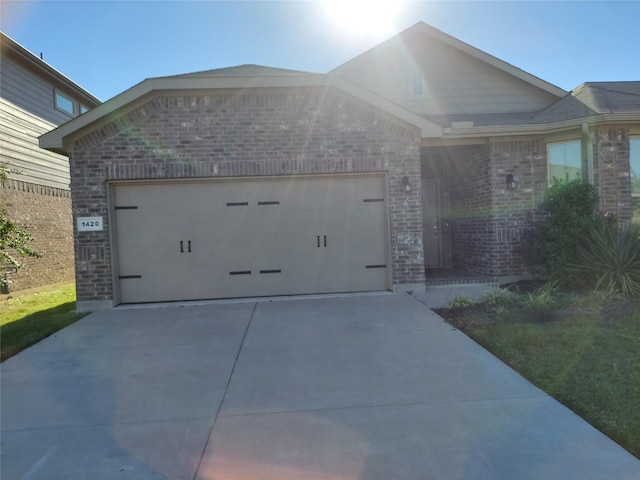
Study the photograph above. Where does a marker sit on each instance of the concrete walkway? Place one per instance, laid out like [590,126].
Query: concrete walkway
[357,387]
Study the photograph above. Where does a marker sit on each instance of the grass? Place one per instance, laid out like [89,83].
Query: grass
[27,318]
[585,352]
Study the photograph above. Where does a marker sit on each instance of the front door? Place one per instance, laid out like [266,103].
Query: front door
[431,223]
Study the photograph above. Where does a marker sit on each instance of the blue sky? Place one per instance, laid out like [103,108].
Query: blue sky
[109,46]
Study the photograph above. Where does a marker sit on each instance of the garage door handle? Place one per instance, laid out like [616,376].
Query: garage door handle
[189,246]
[318,237]
[325,240]
[181,249]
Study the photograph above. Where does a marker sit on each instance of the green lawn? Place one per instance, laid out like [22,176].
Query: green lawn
[26,319]
[586,354]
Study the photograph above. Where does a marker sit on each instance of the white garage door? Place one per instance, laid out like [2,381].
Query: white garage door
[225,239]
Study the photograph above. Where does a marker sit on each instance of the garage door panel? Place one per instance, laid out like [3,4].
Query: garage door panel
[154,258]
[251,238]
[141,229]
[308,279]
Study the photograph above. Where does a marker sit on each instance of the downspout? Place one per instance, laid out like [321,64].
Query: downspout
[586,137]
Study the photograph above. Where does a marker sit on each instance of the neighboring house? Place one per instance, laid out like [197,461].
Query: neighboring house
[419,155]
[34,99]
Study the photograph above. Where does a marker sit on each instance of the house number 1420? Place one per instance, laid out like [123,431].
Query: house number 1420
[89,224]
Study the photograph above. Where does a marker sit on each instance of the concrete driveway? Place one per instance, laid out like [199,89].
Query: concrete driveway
[356,387]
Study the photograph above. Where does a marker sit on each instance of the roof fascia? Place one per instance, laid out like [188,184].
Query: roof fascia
[40,65]
[57,140]
[540,129]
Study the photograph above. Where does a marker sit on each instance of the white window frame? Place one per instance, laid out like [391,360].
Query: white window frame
[566,142]
[417,78]
[58,94]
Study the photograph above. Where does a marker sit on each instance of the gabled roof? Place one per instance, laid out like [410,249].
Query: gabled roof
[593,98]
[248,70]
[421,31]
[13,48]
[58,140]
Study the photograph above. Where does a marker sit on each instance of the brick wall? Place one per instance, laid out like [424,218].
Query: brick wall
[470,196]
[487,219]
[612,171]
[46,213]
[278,132]
[513,209]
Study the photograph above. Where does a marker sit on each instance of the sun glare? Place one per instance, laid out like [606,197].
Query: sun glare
[364,17]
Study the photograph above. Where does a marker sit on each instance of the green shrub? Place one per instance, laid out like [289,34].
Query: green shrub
[570,212]
[609,259]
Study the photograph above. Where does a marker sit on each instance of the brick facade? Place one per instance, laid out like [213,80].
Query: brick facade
[513,209]
[487,220]
[46,213]
[612,171]
[232,134]
[470,214]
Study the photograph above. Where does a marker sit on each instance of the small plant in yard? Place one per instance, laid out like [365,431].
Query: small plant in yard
[460,301]
[499,298]
[609,259]
[542,304]
[544,297]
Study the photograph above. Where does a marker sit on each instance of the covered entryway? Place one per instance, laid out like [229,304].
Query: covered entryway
[192,240]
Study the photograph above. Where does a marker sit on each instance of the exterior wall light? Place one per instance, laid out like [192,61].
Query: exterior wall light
[405,184]
[512,184]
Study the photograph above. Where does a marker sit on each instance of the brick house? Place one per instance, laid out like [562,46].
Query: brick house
[419,156]
[34,99]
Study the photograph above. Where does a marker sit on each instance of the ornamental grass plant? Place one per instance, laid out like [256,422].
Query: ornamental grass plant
[609,259]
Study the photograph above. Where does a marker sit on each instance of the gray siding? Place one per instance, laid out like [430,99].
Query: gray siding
[454,83]
[19,148]
[23,88]
[27,111]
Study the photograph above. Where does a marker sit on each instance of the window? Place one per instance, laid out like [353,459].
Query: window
[634,163]
[565,160]
[83,109]
[64,103]
[417,84]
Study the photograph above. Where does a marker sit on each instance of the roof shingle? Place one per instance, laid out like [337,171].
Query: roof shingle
[593,98]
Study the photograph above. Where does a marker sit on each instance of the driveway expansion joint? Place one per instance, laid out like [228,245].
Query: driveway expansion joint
[386,405]
[226,389]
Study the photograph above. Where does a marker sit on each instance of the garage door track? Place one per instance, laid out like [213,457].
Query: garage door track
[355,387]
